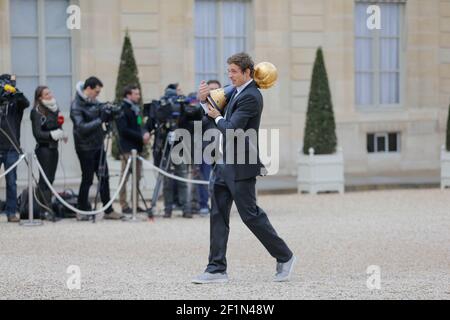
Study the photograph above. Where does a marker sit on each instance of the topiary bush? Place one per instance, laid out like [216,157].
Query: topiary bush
[320,129]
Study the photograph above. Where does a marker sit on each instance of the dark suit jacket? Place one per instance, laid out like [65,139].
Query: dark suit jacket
[241,151]
[130,131]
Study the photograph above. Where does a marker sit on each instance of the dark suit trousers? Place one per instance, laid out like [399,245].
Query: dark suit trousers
[223,193]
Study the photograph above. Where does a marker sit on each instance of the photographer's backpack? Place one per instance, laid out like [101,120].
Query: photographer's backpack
[22,204]
[60,210]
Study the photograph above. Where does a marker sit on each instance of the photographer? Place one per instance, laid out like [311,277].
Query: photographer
[12,105]
[88,116]
[167,121]
[131,136]
[46,121]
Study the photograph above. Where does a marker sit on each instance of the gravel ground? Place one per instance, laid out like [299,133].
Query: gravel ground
[336,238]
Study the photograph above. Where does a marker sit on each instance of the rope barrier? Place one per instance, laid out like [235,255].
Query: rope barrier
[122,182]
[21,158]
[172,176]
[70,207]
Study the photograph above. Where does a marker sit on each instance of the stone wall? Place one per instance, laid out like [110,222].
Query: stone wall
[287,33]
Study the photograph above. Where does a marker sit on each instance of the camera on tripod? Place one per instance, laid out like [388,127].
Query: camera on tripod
[111,111]
[170,110]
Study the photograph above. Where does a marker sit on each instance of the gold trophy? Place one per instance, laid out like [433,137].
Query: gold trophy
[266,75]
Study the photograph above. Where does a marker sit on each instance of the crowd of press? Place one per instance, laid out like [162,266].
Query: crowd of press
[135,128]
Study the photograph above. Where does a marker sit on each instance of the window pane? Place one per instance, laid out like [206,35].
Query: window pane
[62,89]
[25,51]
[234,25]
[390,87]
[389,49]
[230,47]
[205,58]
[389,55]
[234,18]
[205,18]
[58,52]
[231,36]
[27,85]
[381,144]
[25,56]
[206,40]
[23,17]
[390,19]
[370,143]
[393,142]
[364,63]
[364,89]
[363,54]
[56,17]
[364,80]
[361,16]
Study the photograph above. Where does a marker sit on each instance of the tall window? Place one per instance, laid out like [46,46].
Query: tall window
[378,55]
[221,28]
[41,47]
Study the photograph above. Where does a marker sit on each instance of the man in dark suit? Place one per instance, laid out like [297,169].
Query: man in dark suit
[234,178]
[131,136]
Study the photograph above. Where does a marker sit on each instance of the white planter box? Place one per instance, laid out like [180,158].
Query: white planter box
[320,173]
[445,168]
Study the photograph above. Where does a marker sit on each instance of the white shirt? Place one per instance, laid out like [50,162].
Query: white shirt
[238,91]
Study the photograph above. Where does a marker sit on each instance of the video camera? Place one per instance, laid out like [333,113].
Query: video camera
[170,110]
[7,87]
[111,111]
[7,91]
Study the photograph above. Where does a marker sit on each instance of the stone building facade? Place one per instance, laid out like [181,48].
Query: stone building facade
[396,125]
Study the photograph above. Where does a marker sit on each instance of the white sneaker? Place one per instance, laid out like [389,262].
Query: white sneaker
[284,270]
[206,278]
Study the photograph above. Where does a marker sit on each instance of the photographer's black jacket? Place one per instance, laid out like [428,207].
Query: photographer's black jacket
[87,125]
[42,124]
[12,115]
[130,132]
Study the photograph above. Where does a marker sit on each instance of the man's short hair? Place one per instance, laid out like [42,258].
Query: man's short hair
[172,86]
[243,61]
[214,81]
[93,83]
[129,89]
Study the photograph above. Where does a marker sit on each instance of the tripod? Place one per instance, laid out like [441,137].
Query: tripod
[111,130]
[163,165]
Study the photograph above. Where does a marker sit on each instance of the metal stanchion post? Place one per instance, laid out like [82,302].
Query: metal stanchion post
[134,186]
[134,194]
[30,222]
